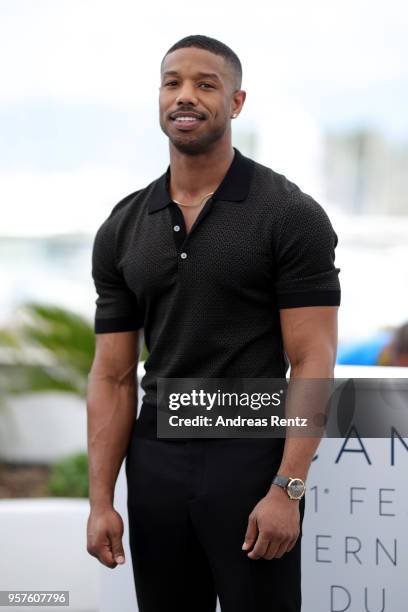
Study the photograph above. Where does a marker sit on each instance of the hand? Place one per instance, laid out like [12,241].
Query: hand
[273,526]
[104,536]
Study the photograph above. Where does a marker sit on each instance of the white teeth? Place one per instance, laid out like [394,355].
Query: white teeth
[186,118]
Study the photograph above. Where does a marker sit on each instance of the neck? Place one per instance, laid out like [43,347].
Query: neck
[193,175]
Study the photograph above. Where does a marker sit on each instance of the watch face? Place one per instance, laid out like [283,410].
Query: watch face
[296,488]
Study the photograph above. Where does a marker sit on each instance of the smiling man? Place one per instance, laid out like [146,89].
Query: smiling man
[228,267]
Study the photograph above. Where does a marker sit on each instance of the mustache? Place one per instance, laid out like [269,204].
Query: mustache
[187,109]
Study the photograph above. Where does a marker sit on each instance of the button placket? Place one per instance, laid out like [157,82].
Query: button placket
[180,235]
[178,227]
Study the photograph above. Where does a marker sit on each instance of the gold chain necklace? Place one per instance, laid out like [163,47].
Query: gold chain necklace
[194,205]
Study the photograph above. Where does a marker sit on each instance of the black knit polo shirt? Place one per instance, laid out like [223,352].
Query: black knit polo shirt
[209,300]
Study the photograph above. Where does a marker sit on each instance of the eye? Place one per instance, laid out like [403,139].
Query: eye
[170,83]
[207,85]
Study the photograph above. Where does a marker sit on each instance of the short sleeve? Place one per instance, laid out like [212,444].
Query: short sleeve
[306,274]
[116,305]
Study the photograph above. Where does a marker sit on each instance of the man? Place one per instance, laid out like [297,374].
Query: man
[229,269]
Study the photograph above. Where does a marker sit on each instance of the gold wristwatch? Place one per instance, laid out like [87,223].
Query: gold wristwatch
[294,487]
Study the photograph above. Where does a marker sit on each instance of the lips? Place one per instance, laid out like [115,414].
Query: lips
[186,121]
[186,124]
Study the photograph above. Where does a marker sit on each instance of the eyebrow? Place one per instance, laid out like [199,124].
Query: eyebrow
[207,75]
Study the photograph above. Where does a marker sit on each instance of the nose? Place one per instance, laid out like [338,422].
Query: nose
[186,94]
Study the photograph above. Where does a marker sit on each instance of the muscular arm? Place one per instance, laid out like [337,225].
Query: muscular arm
[111,412]
[310,341]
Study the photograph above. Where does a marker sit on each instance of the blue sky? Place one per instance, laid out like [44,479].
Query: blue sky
[78,102]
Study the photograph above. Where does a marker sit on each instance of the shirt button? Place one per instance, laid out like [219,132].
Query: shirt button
[183,255]
[176,228]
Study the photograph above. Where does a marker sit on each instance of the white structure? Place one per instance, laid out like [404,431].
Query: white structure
[43,545]
[42,427]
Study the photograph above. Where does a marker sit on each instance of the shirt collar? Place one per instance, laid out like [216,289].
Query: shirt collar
[234,186]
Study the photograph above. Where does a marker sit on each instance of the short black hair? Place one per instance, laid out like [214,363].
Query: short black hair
[214,46]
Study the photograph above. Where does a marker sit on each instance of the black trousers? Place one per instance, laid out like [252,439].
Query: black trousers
[188,505]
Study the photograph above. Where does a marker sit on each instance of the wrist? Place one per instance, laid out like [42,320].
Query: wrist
[292,486]
[100,502]
[277,492]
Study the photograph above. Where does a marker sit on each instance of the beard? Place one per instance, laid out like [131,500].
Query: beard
[190,144]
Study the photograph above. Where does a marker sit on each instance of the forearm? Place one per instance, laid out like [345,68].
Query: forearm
[111,411]
[308,400]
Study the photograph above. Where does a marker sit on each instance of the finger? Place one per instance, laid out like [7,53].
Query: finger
[106,556]
[251,533]
[282,549]
[271,550]
[260,547]
[292,543]
[117,549]
[101,550]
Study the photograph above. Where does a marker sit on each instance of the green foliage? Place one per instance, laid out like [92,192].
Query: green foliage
[66,334]
[69,477]
[50,349]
